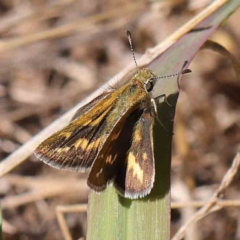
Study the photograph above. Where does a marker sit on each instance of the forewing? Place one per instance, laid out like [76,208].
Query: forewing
[76,146]
[136,174]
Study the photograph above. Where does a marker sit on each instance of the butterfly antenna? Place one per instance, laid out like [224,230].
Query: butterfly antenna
[131,47]
[183,71]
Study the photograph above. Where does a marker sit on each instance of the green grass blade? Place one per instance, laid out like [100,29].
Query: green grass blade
[114,217]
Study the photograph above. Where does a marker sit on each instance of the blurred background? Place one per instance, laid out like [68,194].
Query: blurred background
[55,53]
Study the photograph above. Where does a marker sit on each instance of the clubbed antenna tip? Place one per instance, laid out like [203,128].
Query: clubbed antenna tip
[186,71]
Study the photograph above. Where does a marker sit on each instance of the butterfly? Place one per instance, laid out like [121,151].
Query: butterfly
[111,137]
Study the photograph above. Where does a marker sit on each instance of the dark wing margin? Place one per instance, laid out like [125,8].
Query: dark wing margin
[136,175]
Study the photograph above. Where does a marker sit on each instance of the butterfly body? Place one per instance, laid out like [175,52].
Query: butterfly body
[112,137]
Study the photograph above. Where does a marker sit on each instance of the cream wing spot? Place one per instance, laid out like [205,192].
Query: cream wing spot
[137,137]
[94,144]
[109,159]
[99,173]
[135,167]
[116,135]
[82,143]
[138,134]
[65,134]
[87,123]
[62,150]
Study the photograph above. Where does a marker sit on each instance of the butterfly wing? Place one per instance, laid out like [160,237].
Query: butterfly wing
[128,158]
[136,176]
[76,146]
[113,152]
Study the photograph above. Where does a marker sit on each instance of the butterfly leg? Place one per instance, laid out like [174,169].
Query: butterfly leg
[156,112]
[165,99]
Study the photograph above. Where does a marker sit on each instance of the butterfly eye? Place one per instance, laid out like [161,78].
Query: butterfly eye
[149,85]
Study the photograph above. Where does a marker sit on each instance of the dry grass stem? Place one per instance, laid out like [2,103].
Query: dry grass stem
[61,210]
[38,190]
[198,204]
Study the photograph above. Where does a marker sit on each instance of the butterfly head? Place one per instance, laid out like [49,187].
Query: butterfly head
[146,78]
